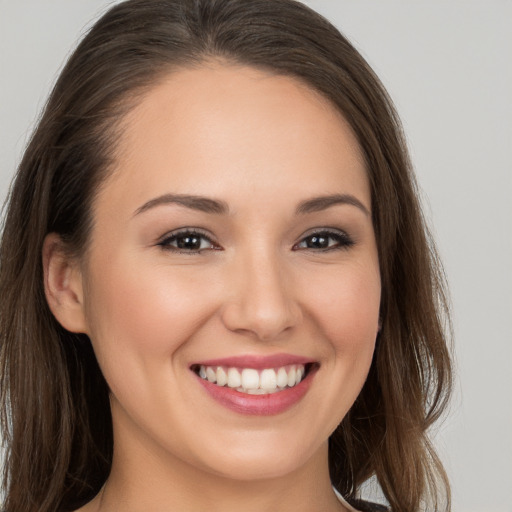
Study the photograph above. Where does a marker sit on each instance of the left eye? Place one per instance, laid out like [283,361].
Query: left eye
[326,241]
[187,241]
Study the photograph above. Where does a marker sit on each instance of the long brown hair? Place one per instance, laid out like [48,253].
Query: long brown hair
[55,407]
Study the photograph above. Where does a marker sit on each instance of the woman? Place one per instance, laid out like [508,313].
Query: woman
[217,286]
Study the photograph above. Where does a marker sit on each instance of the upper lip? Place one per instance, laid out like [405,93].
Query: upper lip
[258,362]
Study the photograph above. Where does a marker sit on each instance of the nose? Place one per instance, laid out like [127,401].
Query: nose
[261,301]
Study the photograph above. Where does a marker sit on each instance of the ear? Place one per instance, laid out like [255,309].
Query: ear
[63,285]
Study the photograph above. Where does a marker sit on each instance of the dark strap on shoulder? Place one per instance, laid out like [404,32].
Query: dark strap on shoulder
[366,506]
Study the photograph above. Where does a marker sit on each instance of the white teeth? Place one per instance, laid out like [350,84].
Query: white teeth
[282,377]
[250,378]
[252,381]
[234,379]
[257,391]
[268,380]
[291,376]
[222,377]
[211,375]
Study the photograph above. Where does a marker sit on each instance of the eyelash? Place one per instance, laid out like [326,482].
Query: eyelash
[190,233]
[342,241]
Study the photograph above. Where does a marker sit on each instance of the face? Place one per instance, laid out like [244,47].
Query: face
[233,250]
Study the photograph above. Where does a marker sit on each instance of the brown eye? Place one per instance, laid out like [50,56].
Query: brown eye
[191,242]
[325,241]
[187,242]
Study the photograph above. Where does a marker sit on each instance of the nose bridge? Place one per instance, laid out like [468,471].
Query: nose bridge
[262,300]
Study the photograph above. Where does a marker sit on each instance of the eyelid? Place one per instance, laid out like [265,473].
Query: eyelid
[347,240]
[163,241]
[343,239]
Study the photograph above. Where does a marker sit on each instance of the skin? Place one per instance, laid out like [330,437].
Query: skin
[262,144]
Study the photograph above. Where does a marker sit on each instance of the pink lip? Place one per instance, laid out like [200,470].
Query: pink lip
[261,405]
[255,361]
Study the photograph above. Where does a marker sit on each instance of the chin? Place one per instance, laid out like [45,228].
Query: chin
[253,470]
[254,460]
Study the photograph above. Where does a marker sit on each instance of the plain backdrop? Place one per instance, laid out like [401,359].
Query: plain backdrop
[447,65]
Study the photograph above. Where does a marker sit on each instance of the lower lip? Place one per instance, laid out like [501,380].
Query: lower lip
[261,405]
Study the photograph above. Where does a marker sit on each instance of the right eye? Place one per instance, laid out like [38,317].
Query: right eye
[188,241]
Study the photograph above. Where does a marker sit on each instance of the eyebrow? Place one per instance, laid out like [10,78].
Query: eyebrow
[200,203]
[215,206]
[317,204]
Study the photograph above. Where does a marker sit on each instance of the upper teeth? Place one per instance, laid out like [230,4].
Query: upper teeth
[252,381]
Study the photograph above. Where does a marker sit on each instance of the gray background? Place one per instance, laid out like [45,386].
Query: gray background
[447,65]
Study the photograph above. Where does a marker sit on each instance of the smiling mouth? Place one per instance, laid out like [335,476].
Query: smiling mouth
[254,381]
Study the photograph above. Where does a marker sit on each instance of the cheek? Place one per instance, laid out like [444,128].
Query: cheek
[145,309]
[347,306]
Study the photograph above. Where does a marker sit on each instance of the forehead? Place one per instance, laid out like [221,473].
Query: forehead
[200,129]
